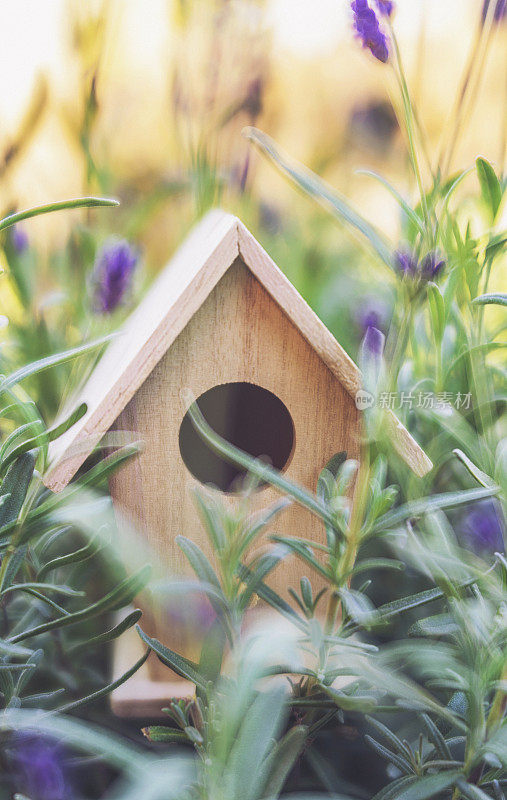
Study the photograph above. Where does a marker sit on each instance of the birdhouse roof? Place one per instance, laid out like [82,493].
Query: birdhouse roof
[174,297]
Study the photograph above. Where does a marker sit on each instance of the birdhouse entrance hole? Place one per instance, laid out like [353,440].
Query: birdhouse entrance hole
[249,417]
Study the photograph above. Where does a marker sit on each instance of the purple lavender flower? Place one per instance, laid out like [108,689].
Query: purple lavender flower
[112,274]
[38,767]
[368,30]
[386,7]
[405,263]
[500,10]
[19,239]
[373,312]
[373,342]
[481,529]
[432,264]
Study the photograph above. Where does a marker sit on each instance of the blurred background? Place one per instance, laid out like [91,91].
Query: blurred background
[145,101]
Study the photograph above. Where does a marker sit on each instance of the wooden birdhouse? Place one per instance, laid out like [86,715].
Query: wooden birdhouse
[224,322]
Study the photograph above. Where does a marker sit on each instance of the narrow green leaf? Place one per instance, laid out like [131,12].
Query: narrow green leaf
[437,311]
[106,689]
[281,760]
[179,664]
[490,185]
[303,552]
[61,205]
[392,758]
[199,563]
[66,591]
[497,299]
[70,558]
[113,633]
[122,595]
[320,191]
[471,791]
[45,437]
[474,471]
[428,787]
[15,485]
[350,702]
[396,607]
[417,508]
[50,361]
[436,738]
[161,733]
[413,217]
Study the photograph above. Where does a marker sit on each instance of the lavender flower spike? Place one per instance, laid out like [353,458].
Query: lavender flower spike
[368,30]
[405,263]
[500,10]
[38,767]
[432,264]
[112,275]
[386,7]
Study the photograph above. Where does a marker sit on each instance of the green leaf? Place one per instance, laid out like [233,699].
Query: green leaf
[490,186]
[303,552]
[66,591]
[42,439]
[50,361]
[497,299]
[161,733]
[320,191]
[387,734]
[199,562]
[413,217]
[106,689]
[437,625]
[437,311]
[273,599]
[61,205]
[396,607]
[392,758]
[436,738]
[179,664]
[212,652]
[15,485]
[418,508]
[253,743]
[265,564]
[351,702]
[428,787]
[70,558]
[358,607]
[377,563]
[281,760]
[113,633]
[122,595]
[474,471]
[391,791]
[15,562]
[471,791]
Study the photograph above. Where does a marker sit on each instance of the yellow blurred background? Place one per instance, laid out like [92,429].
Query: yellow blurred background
[148,86]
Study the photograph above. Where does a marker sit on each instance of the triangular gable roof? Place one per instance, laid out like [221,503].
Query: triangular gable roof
[174,297]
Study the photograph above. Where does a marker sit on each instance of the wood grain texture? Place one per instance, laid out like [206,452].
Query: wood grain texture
[170,304]
[238,334]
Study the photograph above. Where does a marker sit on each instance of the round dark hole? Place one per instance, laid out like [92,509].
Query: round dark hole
[247,416]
